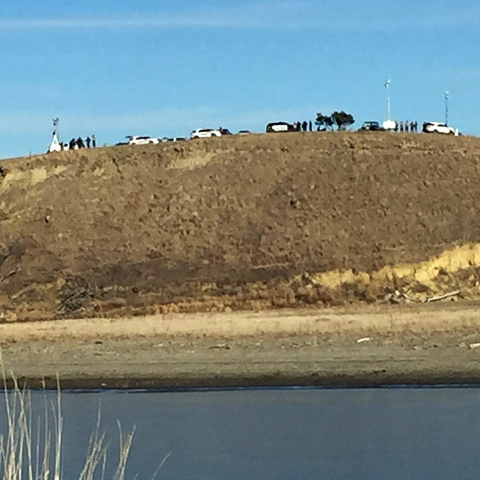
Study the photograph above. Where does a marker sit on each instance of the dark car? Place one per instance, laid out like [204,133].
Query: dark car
[279,127]
[371,127]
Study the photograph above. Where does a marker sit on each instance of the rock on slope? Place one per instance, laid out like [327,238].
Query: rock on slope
[240,222]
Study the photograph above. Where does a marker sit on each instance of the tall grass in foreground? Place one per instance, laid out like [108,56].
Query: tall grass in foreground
[31,448]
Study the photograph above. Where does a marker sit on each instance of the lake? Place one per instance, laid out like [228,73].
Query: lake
[389,433]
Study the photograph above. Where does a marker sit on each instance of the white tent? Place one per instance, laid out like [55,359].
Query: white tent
[55,144]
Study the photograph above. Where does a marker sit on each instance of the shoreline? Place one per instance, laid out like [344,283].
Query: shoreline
[422,345]
[465,380]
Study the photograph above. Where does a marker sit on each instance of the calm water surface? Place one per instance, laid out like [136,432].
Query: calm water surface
[284,434]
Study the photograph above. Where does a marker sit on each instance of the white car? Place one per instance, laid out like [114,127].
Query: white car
[206,133]
[172,139]
[279,127]
[141,140]
[437,127]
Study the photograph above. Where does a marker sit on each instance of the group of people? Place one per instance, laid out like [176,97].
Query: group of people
[407,126]
[303,126]
[77,143]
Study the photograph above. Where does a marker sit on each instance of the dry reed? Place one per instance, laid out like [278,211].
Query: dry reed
[31,448]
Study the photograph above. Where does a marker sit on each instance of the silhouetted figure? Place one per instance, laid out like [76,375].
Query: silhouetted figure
[71,144]
[310,125]
[304,126]
[87,141]
[94,141]
[80,143]
[299,127]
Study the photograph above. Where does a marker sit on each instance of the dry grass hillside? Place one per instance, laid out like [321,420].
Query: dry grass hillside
[259,221]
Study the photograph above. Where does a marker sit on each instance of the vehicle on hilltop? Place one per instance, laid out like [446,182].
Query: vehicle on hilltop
[209,132]
[390,125]
[279,127]
[173,139]
[371,126]
[141,140]
[438,127]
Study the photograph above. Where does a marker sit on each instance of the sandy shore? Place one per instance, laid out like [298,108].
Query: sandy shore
[368,346]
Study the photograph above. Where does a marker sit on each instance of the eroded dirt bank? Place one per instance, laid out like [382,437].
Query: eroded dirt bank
[369,346]
[255,222]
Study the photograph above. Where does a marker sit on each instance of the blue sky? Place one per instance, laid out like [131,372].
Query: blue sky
[164,68]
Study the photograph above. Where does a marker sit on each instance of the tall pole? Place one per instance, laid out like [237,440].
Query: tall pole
[55,126]
[446,107]
[387,86]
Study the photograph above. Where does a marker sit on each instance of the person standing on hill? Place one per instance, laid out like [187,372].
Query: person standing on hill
[304,126]
[94,141]
[87,141]
[310,125]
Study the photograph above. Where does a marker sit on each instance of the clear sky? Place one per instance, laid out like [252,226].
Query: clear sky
[164,68]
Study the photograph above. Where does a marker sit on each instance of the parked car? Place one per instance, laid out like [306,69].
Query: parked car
[209,133]
[141,140]
[244,132]
[437,127]
[371,126]
[279,127]
[390,125]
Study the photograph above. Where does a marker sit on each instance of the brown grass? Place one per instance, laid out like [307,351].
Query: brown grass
[416,318]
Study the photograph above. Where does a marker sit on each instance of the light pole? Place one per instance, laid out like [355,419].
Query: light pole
[389,124]
[55,126]
[446,107]
[387,86]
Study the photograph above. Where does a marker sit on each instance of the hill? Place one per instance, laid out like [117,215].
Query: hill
[257,221]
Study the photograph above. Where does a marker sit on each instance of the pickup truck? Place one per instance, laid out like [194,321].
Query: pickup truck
[371,126]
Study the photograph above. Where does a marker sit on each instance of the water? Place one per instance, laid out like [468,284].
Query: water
[284,434]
